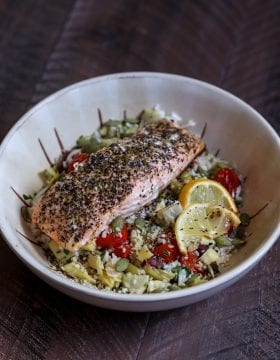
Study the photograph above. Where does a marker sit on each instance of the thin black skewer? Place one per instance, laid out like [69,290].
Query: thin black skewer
[58,140]
[27,238]
[217,152]
[100,117]
[203,131]
[20,198]
[45,153]
[260,210]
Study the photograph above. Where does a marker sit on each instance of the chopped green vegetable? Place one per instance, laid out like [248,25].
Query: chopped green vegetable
[157,286]
[164,195]
[186,176]
[76,270]
[58,253]
[141,224]
[238,242]
[108,142]
[108,281]
[28,197]
[25,214]
[96,263]
[102,255]
[129,131]
[210,256]
[239,201]
[195,279]
[133,269]
[49,176]
[122,265]
[89,144]
[103,131]
[176,186]
[223,241]
[136,284]
[181,273]
[158,274]
[90,246]
[117,224]
[240,232]
[168,215]
[143,253]
[245,219]
[149,116]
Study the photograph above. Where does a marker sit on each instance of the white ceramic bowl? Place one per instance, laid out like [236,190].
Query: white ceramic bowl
[241,134]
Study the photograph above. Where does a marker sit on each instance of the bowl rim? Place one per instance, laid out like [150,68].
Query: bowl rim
[62,281]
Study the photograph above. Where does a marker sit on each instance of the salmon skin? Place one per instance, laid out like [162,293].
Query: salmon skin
[115,181]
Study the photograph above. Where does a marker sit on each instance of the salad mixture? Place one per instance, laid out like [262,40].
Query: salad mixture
[181,239]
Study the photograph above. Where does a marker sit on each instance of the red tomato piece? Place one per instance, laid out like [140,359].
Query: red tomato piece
[190,261]
[123,251]
[167,252]
[77,159]
[112,240]
[228,178]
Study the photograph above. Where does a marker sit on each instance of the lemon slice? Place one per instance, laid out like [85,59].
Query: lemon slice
[202,221]
[201,191]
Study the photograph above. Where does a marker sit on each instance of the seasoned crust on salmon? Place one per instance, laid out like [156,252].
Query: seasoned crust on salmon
[115,181]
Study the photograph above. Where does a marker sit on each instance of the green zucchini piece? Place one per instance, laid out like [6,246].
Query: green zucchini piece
[58,253]
[157,286]
[223,241]
[77,271]
[88,144]
[129,131]
[108,142]
[195,279]
[107,280]
[158,274]
[96,263]
[143,253]
[133,269]
[49,176]
[136,284]
[90,246]
[210,256]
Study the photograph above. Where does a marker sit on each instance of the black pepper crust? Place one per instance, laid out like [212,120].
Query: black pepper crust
[79,202]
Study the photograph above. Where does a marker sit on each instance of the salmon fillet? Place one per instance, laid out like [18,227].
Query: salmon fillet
[115,181]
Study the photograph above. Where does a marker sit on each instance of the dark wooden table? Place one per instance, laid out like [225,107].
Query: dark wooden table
[46,45]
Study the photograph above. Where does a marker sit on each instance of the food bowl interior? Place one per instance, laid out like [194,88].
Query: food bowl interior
[232,126]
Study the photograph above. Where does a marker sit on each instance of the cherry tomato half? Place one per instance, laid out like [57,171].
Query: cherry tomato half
[123,251]
[228,178]
[190,261]
[167,252]
[77,159]
[112,240]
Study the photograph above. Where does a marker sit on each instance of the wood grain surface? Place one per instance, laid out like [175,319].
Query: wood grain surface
[45,45]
